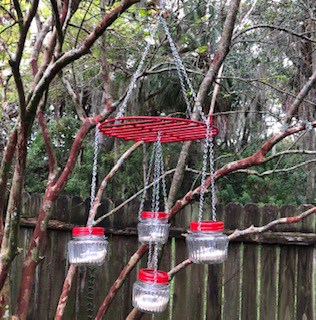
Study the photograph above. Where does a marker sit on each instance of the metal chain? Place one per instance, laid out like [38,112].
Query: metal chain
[151,162]
[181,70]
[212,170]
[131,86]
[94,176]
[150,254]
[162,172]
[90,292]
[203,177]
[156,250]
[156,187]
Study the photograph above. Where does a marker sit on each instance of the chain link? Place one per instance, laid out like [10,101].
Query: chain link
[90,292]
[182,72]
[94,176]
[162,172]
[131,86]
[156,250]
[150,254]
[156,187]
[151,162]
[203,177]
[212,170]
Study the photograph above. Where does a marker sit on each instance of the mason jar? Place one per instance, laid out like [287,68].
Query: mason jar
[206,243]
[153,227]
[88,247]
[151,291]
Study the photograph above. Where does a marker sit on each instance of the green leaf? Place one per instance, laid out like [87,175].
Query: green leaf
[201,49]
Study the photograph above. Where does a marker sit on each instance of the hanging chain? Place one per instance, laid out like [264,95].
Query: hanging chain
[182,72]
[203,177]
[94,176]
[156,250]
[179,66]
[137,73]
[162,172]
[156,187]
[212,170]
[150,254]
[151,162]
[90,292]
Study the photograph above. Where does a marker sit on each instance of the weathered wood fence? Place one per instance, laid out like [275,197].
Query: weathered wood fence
[269,276]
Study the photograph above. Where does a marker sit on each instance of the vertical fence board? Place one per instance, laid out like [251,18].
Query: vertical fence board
[164,265]
[268,272]
[304,308]
[249,305]
[233,219]
[188,287]
[287,272]
[45,270]
[116,264]
[214,283]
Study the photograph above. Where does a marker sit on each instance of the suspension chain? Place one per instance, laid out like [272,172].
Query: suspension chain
[212,170]
[156,251]
[151,162]
[94,176]
[182,72]
[156,187]
[163,179]
[137,73]
[203,177]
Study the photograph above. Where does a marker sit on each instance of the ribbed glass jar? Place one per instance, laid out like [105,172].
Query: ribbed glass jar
[151,293]
[87,247]
[153,227]
[207,244]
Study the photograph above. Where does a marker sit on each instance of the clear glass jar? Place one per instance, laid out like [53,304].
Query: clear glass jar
[153,227]
[87,247]
[151,291]
[207,244]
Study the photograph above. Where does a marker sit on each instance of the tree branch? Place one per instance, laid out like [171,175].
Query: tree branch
[75,54]
[268,172]
[299,98]
[74,96]
[123,204]
[273,27]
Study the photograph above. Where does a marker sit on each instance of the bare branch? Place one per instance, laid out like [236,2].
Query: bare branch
[57,22]
[38,44]
[273,27]
[75,54]
[109,176]
[53,168]
[123,204]
[301,95]
[74,96]
[268,172]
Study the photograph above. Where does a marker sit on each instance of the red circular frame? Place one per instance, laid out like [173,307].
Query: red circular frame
[146,128]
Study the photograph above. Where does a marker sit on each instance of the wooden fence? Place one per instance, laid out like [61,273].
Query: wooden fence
[268,276]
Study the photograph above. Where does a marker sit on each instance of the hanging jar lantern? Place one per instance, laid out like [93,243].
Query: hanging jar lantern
[151,291]
[153,227]
[207,243]
[88,247]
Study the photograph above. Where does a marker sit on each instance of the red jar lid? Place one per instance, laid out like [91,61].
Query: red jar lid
[207,226]
[84,231]
[148,275]
[153,215]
